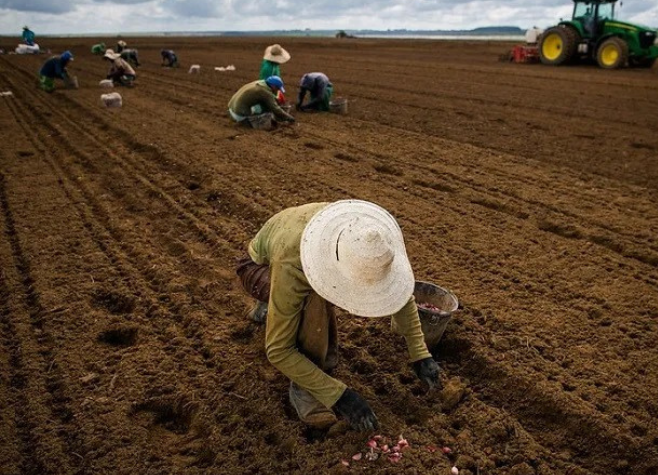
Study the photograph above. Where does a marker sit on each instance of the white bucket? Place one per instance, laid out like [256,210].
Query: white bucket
[195,68]
[106,83]
[112,99]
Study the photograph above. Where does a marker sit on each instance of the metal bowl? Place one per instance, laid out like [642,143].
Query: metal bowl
[435,308]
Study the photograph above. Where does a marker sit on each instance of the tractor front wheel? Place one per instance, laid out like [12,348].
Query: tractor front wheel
[558,45]
[612,54]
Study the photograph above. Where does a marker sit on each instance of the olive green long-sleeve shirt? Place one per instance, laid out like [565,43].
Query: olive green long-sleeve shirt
[256,93]
[277,244]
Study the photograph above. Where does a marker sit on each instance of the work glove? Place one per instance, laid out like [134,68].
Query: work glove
[356,410]
[427,371]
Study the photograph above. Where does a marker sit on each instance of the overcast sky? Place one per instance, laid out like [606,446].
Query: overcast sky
[114,16]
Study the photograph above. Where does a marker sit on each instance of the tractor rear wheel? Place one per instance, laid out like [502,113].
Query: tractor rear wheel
[612,53]
[558,45]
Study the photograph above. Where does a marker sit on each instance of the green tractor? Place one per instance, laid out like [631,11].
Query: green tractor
[594,33]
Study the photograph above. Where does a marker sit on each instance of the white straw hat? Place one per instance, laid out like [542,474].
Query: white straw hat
[110,54]
[276,54]
[353,255]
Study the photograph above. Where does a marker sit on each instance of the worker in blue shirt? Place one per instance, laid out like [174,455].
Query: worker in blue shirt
[28,36]
[54,68]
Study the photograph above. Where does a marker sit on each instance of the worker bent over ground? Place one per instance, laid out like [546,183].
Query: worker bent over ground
[257,98]
[308,258]
[54,68]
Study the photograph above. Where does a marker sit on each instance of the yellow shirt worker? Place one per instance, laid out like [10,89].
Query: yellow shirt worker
[306,259]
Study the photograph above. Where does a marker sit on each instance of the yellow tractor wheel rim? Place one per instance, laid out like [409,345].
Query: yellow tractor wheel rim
[552,46]
[609,55]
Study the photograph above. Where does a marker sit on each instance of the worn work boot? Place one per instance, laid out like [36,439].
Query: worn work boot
[311,411]
[259,313]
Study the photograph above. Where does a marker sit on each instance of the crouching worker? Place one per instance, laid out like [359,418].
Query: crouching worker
[54,68]
[128,54]
[169,58]
[350,254]
[257,98]
[120,72]
[98,49]
[319,88]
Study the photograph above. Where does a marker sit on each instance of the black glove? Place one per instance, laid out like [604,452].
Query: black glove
[356,410]
[427,371]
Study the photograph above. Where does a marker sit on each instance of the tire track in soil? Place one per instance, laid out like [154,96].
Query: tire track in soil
[33,342]
[121,263]
[140,169]
[18,446]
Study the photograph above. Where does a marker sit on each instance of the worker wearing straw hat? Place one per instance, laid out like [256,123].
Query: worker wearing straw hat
[273,58]
[350,254]
[120,72]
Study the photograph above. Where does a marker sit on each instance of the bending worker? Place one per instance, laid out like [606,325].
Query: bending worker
[129,54]
[256,98]
[350,254]
[54,68]
[320,89]
[120,71]
[169,57]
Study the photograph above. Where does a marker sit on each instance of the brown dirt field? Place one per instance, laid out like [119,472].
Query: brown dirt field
[531,192]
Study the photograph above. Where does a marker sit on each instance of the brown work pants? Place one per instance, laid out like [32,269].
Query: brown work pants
[317,337]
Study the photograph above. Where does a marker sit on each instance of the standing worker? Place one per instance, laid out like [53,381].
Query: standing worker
[54,68]
[273,58]
[320,89]
[351,254]
[120,72]
[169,57]
[256,98]
[28,36]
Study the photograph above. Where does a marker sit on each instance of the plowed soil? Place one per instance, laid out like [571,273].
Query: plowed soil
[529,191]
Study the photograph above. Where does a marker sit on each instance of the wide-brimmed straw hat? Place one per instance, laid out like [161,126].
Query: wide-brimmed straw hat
[121,43]
[353,255]
[110,54]
[276,54]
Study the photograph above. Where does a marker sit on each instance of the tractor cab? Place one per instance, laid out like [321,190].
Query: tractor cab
[592,16]
[594,33]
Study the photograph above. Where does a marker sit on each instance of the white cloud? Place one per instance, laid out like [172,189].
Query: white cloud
[114,16]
